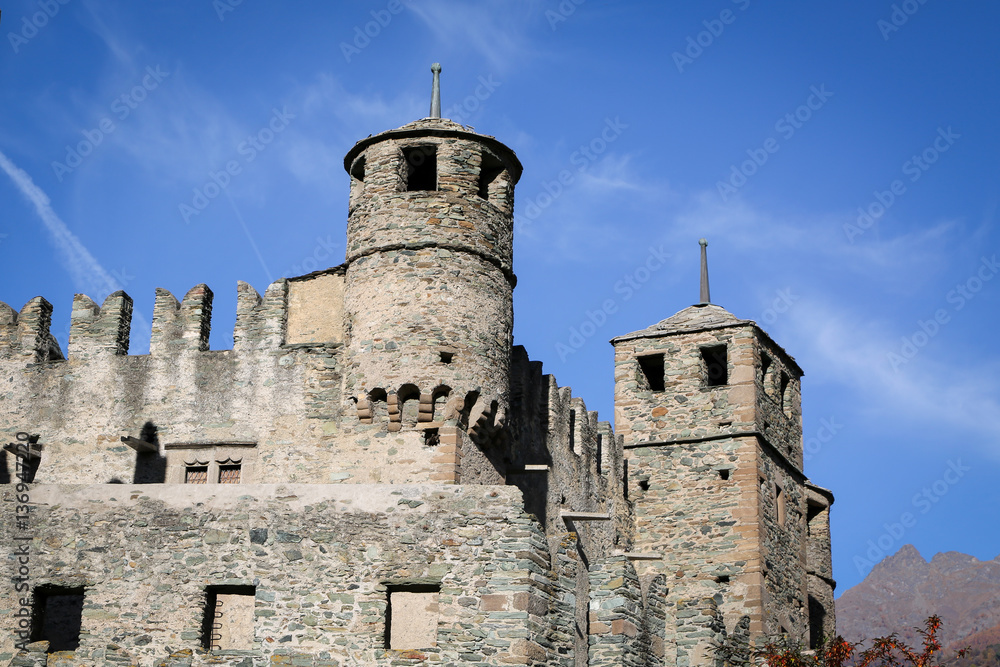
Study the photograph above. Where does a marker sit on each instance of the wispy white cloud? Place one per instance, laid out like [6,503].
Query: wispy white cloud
[846,347]
[86,272]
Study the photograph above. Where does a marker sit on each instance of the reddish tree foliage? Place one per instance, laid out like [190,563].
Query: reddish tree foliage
[887,651]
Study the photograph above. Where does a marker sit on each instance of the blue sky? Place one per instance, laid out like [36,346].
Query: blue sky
[642,126]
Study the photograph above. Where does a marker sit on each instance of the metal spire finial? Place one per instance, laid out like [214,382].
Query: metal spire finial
[705,297]
[436,92]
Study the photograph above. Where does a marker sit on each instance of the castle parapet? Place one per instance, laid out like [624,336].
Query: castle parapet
[181,326]
[260,321]
[100,329]
[26,335]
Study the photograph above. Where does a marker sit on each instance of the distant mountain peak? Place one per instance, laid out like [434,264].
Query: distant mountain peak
[903,589]
[907,558]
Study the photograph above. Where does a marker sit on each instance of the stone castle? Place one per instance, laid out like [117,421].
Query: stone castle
[375,475]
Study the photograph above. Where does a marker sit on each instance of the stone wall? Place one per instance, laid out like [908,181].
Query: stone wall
[321,561]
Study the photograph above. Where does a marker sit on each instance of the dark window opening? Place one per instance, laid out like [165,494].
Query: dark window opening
[446,357]
[724,474]
[644,484]
[625,479]
[488,173]
[58,617]
[421,168]
[652,369]
[817,616]
[358,169]
[229,474]
[600,452]
[716,363]
[411,616]
[812,511]
[722,578]
[765,368]
[431,437]
[228,623]
[196,475]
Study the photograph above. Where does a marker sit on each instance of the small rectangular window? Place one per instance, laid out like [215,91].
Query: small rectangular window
[446,357]
[421,168]
[724,474]
[431,437]
[716,365]
[229,474]
[411,617]
[652,370]
[196,475]
[229,618]
[58,617]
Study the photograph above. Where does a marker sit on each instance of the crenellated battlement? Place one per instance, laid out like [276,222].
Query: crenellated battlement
[183,325]
[100,330]
[25,336]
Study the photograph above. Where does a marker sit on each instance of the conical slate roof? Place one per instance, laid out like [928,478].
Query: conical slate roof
[693,318]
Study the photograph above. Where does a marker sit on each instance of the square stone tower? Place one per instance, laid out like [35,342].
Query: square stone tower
[709,408]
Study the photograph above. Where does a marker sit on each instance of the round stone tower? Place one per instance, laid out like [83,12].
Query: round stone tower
[429,283]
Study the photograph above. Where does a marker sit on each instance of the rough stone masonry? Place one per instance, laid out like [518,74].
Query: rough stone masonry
[375,475]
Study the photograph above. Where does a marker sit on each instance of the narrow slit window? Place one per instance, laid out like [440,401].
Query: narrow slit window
[229,618]
[411,617]
[765,370]
[716,365]
[786,395]
[58,617]
[779,501]
[652,370]
[421,168]
[196,475]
